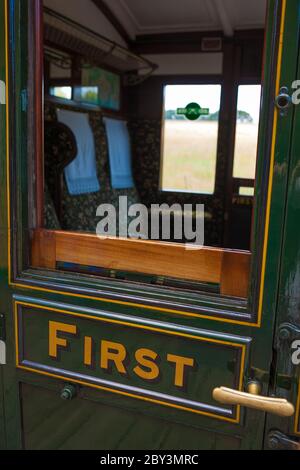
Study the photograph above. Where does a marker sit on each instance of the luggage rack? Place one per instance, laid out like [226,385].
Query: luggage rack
[93,48]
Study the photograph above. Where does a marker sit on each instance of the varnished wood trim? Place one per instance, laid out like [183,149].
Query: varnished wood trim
[235,273]
[43,252]
[190,42]
[212,265]
[174,43]
[163,259]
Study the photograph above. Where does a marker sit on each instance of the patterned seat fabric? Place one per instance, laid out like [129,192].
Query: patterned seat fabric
[79,212]
[51,221]
[60,151]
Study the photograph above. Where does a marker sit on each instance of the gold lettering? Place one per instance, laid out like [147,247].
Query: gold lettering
[143,357]
[114,352]
[88,346]
[180,364]
[54,340]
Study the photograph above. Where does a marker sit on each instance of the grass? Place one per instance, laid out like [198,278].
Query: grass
[190,150]
[246,151]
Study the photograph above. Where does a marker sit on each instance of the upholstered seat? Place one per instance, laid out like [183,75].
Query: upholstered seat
[51,221]
[78,213]
[60,150]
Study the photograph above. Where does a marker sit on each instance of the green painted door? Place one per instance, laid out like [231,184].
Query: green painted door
[109,365]
[286,378]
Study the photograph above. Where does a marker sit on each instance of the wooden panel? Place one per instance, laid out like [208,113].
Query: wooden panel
[43,253]
[163,259]
[235,273]
[230,269]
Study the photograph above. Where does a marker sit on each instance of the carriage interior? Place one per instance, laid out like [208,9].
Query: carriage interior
[156,101]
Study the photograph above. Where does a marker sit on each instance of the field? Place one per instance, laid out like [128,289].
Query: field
[190,154]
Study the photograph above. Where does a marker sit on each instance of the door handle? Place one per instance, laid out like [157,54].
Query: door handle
[276,406]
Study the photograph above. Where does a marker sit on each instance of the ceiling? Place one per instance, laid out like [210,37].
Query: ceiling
[164,16]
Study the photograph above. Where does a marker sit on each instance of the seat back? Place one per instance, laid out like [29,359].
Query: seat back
[51,221]
[78,213]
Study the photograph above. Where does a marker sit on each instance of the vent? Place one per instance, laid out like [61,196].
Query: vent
[211,44]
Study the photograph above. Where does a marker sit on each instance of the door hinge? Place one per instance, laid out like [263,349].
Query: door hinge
[279,441]
[287,333]
[2,341]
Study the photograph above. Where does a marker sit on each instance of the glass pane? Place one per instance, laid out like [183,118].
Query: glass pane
[248,108]
[190,137]
[62,92]
[243,191]
[103,87]
[87,94]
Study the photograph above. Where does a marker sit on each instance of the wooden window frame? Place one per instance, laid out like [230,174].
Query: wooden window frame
[228,268]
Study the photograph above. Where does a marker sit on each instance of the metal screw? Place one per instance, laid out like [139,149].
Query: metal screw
[68,392]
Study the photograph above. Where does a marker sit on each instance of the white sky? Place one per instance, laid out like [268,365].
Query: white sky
[249,100]
[179,96]
[209,96]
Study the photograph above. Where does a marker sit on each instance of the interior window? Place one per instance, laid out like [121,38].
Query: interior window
[244,191]
[139,144]
[100,87]
[64,92]
[190,137]
[248,109]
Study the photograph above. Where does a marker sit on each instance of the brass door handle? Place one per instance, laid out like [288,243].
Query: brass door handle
[276,406]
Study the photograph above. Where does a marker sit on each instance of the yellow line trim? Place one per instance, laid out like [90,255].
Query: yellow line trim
[132,325]
[132,304]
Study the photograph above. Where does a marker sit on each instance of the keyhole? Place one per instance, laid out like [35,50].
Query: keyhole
[283,101]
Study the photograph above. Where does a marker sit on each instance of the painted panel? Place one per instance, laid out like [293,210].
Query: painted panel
[159,363]
[49,423]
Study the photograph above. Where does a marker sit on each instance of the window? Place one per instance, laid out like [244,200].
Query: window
[87,94]
[190,138]
[248,109]
[100,87]
[100,210]
[243,191]
[97,87]
[64,92]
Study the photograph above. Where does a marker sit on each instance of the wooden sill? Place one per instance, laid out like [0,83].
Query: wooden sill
[228,268]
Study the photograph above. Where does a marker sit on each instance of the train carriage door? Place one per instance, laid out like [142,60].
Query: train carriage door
[281,434]
[110,343]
